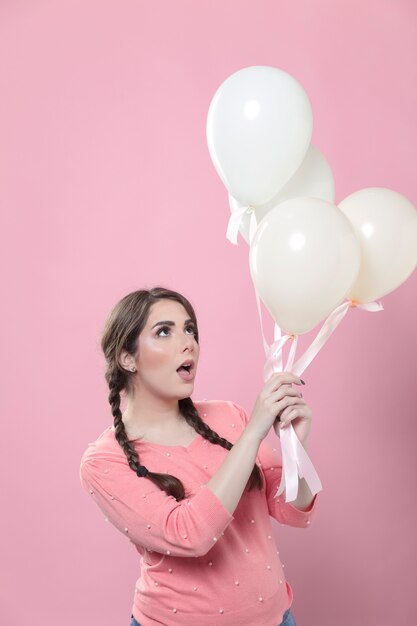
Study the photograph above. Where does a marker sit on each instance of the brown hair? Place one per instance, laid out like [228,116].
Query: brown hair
[122,328]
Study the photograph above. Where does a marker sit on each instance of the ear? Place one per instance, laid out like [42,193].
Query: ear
[126,360]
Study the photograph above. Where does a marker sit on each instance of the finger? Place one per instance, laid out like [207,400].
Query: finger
[287,401]
[292,415]
[283,391]
[286,386]
[281,378]
[285,412]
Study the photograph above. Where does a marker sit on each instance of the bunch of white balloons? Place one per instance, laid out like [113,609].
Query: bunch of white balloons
[306,254]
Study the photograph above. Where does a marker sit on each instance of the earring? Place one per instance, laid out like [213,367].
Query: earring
[133,369]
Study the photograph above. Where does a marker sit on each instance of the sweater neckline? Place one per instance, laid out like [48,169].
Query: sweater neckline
[141,442]
[161,445]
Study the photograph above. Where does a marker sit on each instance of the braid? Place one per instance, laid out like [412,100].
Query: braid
[171,485]
[116,385]
[193,419]
[121,332]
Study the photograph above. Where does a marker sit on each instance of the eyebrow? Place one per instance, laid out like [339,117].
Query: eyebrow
[169,323]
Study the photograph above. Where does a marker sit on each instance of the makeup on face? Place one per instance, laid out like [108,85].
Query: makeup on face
[165,346]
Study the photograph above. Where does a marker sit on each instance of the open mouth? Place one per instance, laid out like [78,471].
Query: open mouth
[186,372]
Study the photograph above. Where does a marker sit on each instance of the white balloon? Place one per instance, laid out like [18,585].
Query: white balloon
[304,259]
[314,179]
[385,223]
[259,127]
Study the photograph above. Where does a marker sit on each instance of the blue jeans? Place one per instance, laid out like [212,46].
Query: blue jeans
[288,620]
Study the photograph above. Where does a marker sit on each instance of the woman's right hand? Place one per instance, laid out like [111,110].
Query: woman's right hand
[274,397]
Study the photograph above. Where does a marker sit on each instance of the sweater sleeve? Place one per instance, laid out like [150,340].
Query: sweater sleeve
[271,465]
[150,517]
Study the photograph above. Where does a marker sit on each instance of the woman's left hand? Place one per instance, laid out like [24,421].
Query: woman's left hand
[300,415]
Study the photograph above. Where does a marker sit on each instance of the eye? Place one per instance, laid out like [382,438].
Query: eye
[161,329]
[167,328]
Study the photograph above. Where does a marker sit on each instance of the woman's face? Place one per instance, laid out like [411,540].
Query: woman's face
[167,340]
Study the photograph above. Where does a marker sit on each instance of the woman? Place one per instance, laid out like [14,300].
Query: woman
[192,484]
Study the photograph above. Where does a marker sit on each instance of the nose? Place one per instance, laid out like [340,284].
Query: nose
[189,342]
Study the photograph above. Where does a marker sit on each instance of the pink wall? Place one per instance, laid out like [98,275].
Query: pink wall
[106,186]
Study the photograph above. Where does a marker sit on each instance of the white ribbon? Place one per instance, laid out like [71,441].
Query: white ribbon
[235,221]
[295,460]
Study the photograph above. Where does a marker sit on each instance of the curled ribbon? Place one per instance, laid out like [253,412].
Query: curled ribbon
[295,460]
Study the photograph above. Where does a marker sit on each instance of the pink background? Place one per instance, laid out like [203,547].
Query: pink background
[107,187]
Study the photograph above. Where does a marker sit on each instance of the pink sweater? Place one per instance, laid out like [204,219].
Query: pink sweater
[200,564]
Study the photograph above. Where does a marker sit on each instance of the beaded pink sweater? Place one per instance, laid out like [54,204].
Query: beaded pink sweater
[200,564]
